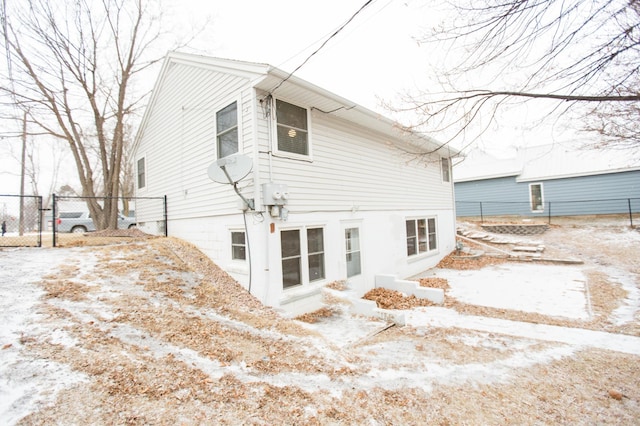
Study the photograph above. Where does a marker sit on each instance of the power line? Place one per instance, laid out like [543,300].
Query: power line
[322,45]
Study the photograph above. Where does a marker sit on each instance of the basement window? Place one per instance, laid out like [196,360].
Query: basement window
[238,246]
[302,252]
[421,236]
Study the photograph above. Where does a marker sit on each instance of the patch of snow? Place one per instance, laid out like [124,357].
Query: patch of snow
[554,290]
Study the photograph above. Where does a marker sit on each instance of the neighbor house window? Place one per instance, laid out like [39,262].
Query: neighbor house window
[535,197]
[238,246]
[293,133]
[141,173]
[421,236]
[446,170]
[302,256]
[352,249]
[227,130]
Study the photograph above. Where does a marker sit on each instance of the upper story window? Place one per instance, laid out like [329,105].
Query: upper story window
[227,130]
[293,131]
[446,170]
[141,174]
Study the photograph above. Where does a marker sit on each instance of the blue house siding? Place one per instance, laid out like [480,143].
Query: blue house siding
[566,196]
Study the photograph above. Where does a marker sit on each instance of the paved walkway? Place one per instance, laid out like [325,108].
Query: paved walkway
[444,317]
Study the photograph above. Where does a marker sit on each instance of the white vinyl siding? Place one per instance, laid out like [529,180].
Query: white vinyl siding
[357,169]
[180,139]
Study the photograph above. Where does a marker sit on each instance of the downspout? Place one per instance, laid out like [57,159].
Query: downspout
[453,197]
[269,117]
[266,105]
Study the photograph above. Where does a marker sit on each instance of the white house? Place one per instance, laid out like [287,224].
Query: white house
[333,194]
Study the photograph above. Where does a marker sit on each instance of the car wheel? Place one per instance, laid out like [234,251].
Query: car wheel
[78,229]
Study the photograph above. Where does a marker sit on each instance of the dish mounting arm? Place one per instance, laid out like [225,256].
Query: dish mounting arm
[249,203]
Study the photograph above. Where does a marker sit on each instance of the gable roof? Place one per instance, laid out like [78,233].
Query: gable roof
[272,80]
[545,162]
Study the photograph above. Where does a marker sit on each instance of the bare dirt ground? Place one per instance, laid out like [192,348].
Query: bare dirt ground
[161,336]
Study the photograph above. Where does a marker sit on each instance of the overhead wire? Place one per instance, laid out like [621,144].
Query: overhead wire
[335,33]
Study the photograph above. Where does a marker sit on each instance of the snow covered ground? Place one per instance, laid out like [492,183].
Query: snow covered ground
[29,384]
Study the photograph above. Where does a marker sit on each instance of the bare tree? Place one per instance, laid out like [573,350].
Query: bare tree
[127,187]
[581,57]
[72,64]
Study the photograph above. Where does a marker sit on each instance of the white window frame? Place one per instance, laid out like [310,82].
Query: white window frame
[144,174]
[275,146]
[304,256]
[531,206]
[232,244]
[427,241]
[350,250]
[238,125]
[445,166]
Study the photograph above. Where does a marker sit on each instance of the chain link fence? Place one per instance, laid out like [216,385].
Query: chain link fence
[628,209]
[21,220]
[75,221]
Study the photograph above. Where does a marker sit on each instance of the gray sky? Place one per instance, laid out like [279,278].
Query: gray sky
[375,57]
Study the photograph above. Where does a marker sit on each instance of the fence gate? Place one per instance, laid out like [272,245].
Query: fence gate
[21,217]
[71,222]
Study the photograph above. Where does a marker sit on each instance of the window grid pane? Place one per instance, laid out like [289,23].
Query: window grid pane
[315,251]
[446,174]
[433,245]
[291,258]
[422,235]
[352,246]
[412,240]
[228,143]
[291,115]
[238,246]
[141,173]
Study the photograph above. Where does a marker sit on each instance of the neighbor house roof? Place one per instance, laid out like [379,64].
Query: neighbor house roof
[272,80]
[545,162]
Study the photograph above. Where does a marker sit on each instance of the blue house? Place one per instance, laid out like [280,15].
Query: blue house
[549,180]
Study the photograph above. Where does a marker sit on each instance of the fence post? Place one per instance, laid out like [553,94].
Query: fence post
[40,219]
[54,222]
[166,220]
[481,215]
[630,214]
[549,203]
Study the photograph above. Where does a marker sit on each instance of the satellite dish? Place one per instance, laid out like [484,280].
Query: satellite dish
[231,169]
